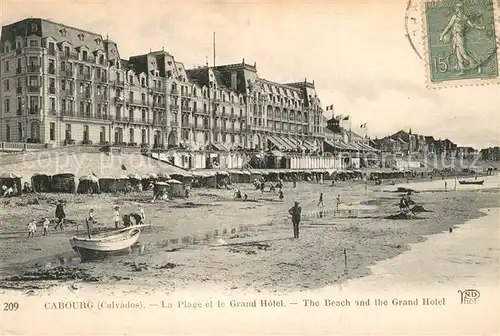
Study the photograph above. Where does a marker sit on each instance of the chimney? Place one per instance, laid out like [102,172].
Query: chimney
[243,61]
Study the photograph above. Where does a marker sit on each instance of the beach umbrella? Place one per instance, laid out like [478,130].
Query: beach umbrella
[163,175]
[89,178]
[153,176]
[172,181]
[135,176]
[10,176]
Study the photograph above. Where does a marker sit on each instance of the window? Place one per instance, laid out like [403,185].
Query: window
[6,66]
[143,96]
[81,36]
[101,60]
[143,82]
[85,133]
[84,55]
[131,114]
[66,51]
[53,104]
[7,105]
[98,73]
[63,105]
[81,88]
[102,134]
[131,79]
[82,108]
[52,67]
[19,104]
[19,64]
[131,96]
[52,131]
[52,85]
[6,85]
[7,132]
[33,43]
[80,69]
[98,90]
[131,131]
[19,132]
[63,84]
[144,136]
[51,48]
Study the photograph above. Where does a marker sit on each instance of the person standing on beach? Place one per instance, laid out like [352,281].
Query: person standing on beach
[295,211]
[338,202]
[117,217]
[60,215]
[445,186]
[143,215]
[320,202]
[31,229]
[46,223]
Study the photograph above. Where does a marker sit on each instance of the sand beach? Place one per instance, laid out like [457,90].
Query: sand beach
[214,240]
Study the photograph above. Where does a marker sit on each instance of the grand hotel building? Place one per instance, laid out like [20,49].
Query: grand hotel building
[62,85]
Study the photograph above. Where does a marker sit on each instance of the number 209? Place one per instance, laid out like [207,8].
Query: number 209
[10,306]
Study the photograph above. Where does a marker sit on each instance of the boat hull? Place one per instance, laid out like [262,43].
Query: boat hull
[471,182]
[101,247]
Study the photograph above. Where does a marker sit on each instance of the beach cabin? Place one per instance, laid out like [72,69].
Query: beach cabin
[114,184]
[88,184]
[177,188]
[11,180]
[41,182]
[185,178]
[64,183]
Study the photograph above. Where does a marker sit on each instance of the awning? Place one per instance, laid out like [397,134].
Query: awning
[218,146]
[336,145]
[275,142]
[285,144]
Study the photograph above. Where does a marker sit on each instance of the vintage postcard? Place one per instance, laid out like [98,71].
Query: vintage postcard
[260,167]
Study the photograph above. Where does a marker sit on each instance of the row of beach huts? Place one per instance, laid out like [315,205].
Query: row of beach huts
[178,182]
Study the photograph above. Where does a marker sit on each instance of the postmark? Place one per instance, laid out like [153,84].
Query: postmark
[460,42]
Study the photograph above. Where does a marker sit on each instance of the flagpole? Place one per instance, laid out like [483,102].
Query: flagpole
[214,49]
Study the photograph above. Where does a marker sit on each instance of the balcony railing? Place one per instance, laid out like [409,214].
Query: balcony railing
[88,95]
[174,92]
[185,124]
[34,110]
[159,105]
[67,73]
[119,82]
[119,100]
[174,107]
[186,109]
[174,123]
[34,89]
[52,111]
[19,51]
[18,70]
[19,89]
[33,68]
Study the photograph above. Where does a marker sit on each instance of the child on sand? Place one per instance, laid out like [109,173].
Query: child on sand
[46,223]
[117,217]
[31,229]
[143,215]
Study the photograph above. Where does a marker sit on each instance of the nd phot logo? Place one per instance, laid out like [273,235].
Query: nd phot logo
[468,296]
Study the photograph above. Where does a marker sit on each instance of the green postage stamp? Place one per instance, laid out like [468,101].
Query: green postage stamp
[461,42]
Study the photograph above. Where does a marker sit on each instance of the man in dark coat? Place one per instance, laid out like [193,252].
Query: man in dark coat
[295,212]
[60,215]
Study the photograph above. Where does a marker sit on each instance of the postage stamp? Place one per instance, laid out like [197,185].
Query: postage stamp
[460,42]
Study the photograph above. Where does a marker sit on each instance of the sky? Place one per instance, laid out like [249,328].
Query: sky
[355,51]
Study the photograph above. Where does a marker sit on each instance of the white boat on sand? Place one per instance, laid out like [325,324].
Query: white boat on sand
[98,247]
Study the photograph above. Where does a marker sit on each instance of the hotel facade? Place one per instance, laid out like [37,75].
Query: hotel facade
[67,86]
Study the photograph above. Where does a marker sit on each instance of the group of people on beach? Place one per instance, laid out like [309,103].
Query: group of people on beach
[60,216]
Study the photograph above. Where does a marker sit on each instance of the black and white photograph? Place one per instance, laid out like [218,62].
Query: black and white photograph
[249,167]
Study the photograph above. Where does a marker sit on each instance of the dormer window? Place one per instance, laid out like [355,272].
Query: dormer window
[84,55]
[81,36]
[98,41]
[63,32]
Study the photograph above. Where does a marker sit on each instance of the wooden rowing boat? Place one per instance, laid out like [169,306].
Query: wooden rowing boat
[98,247]
[471,182]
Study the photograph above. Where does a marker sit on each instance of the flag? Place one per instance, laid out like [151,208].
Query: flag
[362,125]
[339,117]
[346,118]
